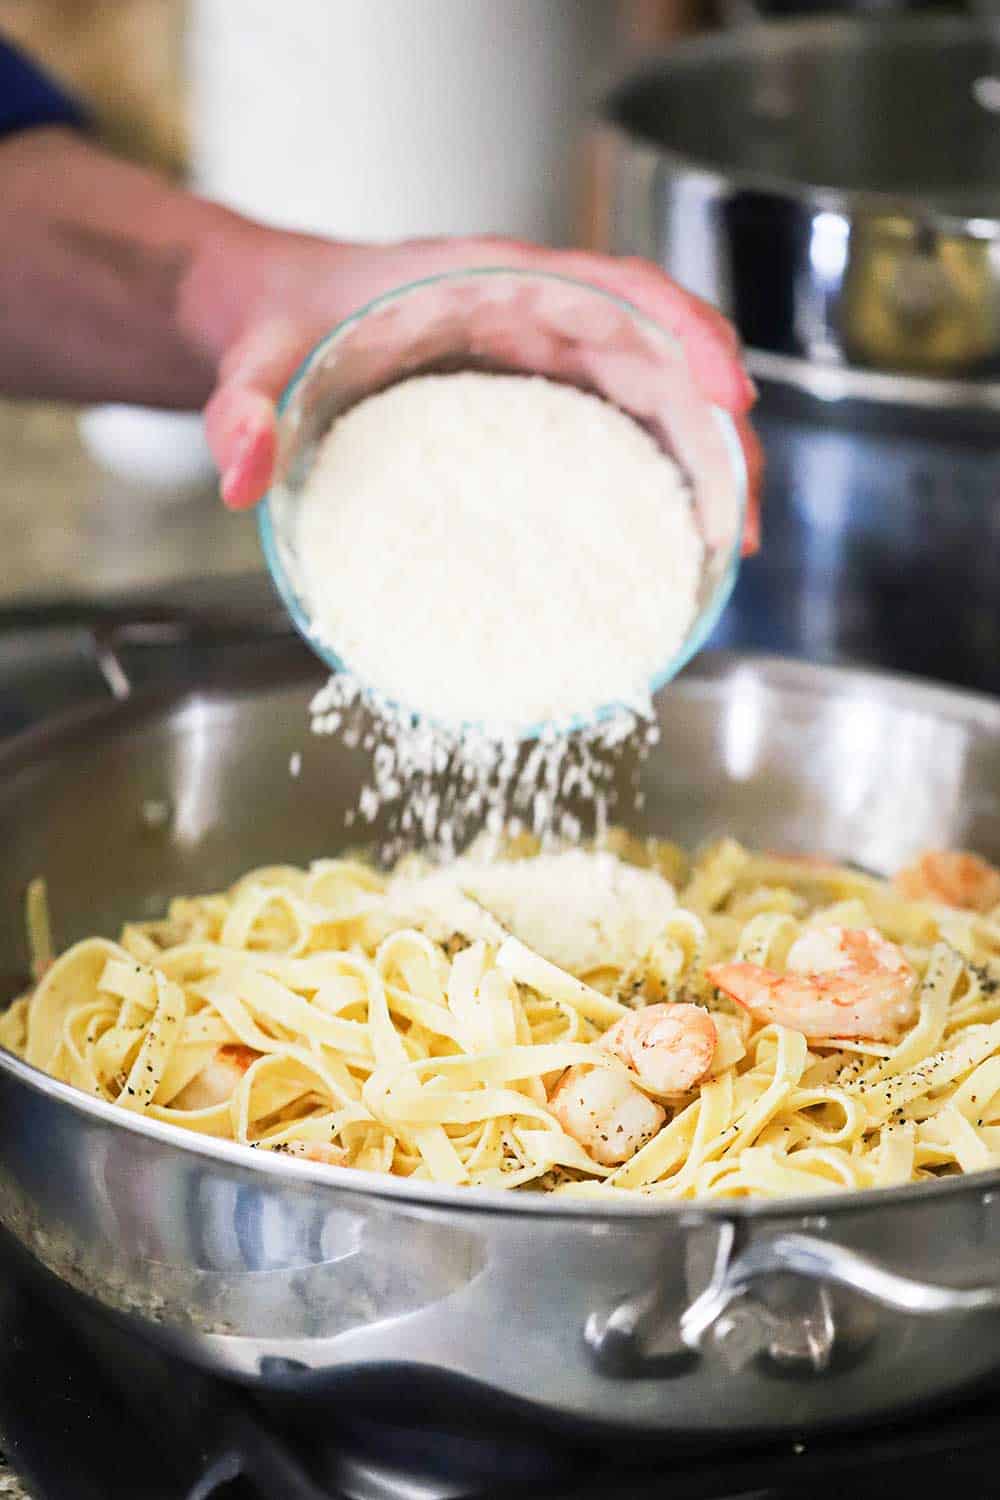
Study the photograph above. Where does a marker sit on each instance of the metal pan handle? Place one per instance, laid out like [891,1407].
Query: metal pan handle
[114,627]
[112,631]
[831,1265]
[642,1339]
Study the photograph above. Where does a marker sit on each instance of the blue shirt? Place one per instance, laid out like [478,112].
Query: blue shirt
[28,97]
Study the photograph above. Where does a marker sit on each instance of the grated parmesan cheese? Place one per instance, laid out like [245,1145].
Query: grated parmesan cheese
[498,549]
[578,908]
[581,909]
[435,789]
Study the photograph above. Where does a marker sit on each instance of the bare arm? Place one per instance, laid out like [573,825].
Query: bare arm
[115,286]
[93,265]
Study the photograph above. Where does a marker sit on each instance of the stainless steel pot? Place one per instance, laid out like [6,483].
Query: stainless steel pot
[834,186]
[697,1321]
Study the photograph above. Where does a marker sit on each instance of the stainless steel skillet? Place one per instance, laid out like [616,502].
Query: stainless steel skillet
[697,1321]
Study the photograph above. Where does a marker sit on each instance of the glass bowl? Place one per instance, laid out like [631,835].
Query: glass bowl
[515,322]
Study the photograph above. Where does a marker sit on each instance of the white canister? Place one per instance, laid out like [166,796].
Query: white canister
[376,119]
[383,119]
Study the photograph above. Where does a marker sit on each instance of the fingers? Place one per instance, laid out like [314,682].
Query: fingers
[242,433]
[240,418]
[713,351]
[709,340]
[753,455]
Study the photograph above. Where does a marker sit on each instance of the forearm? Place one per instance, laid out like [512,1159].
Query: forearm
[113,284]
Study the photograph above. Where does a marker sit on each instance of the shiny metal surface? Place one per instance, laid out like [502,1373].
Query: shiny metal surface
[699,1320]
[835,384]
[111,629]
[881,543]
[832,184]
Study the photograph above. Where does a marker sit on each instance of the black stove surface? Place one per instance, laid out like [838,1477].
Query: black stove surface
[90,1412]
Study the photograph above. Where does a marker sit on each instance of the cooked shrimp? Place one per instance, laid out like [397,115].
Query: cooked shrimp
[605,1113]
[951,877]
[841,982]
[217,1079]
[671,1047]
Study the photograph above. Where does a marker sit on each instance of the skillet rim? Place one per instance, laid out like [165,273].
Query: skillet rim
[25,750]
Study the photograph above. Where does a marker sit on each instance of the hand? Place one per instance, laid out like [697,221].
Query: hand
[277,295]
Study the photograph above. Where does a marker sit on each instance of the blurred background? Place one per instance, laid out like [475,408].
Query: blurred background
[829,175]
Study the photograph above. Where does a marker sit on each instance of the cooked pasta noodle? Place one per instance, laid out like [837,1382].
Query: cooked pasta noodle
[330,1014]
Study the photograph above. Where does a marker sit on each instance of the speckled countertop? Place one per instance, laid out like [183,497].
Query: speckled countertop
[70,529]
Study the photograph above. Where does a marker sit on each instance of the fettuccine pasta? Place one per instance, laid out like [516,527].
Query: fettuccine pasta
[402,1023]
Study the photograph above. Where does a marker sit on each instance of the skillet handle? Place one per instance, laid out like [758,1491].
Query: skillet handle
[113,627]
[645,1338]
[817,1261]
[111,630]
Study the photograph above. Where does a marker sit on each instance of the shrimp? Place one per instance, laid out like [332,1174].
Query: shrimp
[952,878]
[217,1080]
[669,1048]
[605,1113]
[841,982]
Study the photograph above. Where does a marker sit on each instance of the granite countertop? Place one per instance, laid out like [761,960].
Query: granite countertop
[72,530]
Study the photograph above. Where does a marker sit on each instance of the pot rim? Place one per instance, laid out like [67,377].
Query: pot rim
[78,725]
[946,396]
[782,38]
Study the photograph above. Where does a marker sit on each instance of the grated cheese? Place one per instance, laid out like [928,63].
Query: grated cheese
[435,789]
[498,549]
[580,909]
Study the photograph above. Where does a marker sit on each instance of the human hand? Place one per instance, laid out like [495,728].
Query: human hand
[277,295]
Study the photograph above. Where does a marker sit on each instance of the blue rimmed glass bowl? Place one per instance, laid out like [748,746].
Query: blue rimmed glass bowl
[514,322]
